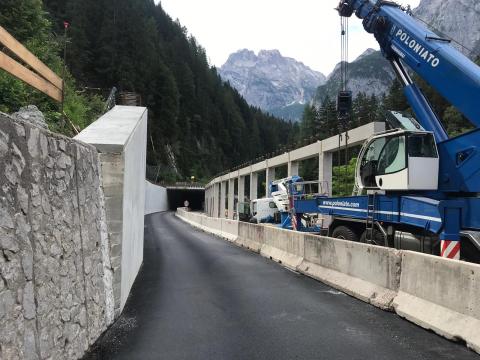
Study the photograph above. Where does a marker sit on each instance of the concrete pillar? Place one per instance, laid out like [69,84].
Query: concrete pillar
[231,197]
[209,196]
[293,168]
[210,201]
[216,200]
[325,170]
[206,200]
[269,177]
[223,192]
[241,189]
[253,186]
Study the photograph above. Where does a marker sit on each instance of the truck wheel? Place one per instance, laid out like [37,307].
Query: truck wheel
[469,252]
[378,238]
[344,233]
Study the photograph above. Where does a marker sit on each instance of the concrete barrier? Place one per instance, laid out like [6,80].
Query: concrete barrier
[284,246]
[370,273]
[227,229]
[230,229]
[442,295]
[250,236]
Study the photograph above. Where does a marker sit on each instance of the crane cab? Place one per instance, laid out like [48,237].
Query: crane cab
[399,160]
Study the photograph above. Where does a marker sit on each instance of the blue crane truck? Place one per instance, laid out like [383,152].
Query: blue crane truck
[421,187]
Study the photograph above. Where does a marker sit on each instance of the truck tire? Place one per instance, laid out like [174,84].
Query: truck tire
[344,233]
[378,238]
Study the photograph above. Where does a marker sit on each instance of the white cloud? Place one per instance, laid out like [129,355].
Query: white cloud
[307,30]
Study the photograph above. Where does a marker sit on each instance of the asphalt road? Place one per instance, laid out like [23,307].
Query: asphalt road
[200,297]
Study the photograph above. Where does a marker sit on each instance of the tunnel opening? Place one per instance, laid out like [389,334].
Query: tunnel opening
[177,198]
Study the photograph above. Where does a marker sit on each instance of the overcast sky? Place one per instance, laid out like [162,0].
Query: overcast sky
[307,30]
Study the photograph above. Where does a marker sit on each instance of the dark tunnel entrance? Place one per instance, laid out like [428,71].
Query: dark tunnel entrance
[177,197]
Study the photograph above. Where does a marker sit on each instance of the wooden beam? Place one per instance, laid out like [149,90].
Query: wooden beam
[26,56]
[28,76]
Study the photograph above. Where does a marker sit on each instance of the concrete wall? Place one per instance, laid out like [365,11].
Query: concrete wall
[120,138]
[156,199]
[433,292]
[56,294]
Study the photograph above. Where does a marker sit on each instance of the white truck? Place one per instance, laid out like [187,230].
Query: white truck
[258,211]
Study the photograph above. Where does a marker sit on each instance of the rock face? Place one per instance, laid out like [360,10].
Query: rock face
[270,81]
[54,287]
[32,115]
[455,19]
[370,73]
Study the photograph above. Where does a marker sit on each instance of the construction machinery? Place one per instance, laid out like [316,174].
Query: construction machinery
[416,187]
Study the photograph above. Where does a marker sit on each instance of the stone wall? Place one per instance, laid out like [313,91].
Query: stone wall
[56,293]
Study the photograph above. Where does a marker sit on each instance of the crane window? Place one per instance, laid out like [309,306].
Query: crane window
[368,167]
[422,146]
[393,156]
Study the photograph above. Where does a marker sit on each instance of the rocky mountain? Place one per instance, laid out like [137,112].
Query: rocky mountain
[370,73]
[272,82]
[455,19]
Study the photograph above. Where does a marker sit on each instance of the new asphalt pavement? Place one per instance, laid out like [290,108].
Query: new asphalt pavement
[200,297]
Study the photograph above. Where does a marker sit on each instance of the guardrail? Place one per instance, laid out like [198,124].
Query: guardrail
[183,185]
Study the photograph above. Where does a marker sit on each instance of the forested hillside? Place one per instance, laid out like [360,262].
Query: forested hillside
[198,125]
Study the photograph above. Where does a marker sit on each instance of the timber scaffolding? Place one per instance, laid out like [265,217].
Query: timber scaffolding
[129,98]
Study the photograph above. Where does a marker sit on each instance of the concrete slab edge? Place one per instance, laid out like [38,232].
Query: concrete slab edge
[443,321]
[282,257]
[363,290]
[249,244]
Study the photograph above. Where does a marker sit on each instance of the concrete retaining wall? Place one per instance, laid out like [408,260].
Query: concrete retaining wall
[56,294]
[120,138]
[156,199]
[435,293]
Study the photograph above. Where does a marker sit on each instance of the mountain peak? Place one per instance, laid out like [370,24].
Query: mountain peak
[367,52]
[271,81]
[270,54]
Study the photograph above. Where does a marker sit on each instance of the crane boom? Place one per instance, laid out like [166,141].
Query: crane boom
[432,57]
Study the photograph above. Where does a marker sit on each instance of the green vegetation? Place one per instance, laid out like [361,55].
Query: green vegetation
[343,178]
[198,125]
[27,21]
